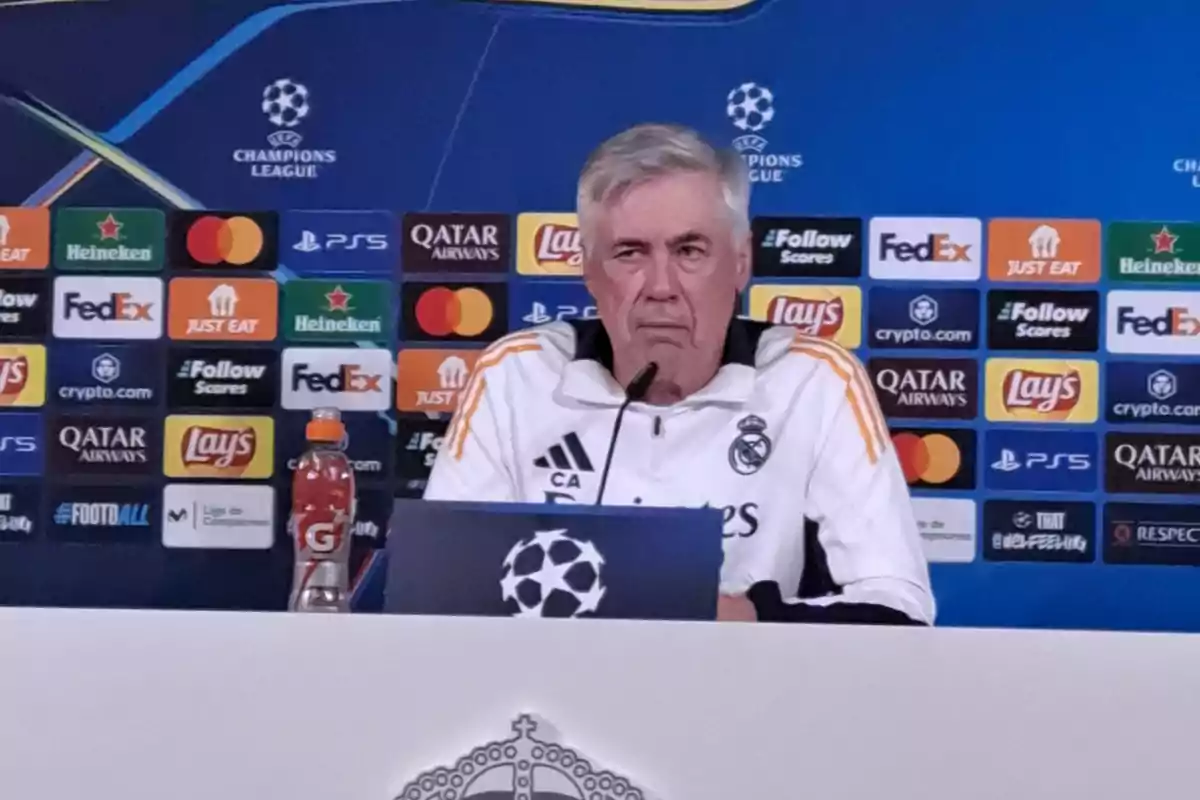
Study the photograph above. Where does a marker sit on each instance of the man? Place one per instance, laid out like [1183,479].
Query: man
[766,424]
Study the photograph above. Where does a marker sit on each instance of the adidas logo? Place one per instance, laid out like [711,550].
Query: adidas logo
[568,455]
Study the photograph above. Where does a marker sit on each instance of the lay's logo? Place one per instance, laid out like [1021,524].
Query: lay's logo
[22,375]
[549,244]
[1042,390]
[830,312]
[218,447]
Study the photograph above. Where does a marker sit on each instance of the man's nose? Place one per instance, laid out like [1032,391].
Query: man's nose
[662,282]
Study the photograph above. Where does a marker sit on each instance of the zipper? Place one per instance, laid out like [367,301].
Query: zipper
[658,426]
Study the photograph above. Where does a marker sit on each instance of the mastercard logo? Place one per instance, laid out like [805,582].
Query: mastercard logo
[216,240]
[933,458]
[442,311]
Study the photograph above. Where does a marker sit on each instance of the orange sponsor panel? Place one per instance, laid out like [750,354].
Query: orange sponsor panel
[1044,250]
[24,238]
[223,309]
[432,380]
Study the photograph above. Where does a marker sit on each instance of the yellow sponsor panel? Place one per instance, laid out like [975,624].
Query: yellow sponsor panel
[690,6]
[22,375]
[197,446]
[548,244]
[1042,390]
[830,312]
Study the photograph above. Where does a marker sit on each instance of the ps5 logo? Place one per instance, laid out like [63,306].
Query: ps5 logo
[540,313]
[1072,462]
[311,243]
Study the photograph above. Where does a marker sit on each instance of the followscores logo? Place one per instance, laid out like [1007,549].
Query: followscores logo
[1031,320]
[540,302]
[24,307]
[802,247]
[1154,322]
[104,307]
[1045,461]
[931,318]
[926,248]
[418,440]
[222,378]
[1153,393]
[351,378]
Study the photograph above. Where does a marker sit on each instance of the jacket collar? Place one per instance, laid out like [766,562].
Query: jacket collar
[588,376]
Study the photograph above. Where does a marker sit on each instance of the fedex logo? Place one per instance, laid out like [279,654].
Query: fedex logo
[1154,323]
[348,378]
[920,248]
[89,307]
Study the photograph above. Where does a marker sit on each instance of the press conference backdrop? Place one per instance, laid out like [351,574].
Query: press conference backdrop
[216,219]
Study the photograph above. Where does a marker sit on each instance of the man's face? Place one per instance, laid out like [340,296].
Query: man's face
[665,270]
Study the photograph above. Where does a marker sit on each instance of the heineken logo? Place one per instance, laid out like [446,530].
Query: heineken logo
[1154,251]
[316,310]
[130,238]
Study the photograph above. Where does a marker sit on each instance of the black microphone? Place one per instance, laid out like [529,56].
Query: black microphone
[633,393]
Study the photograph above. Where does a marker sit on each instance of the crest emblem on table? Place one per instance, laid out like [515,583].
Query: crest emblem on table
[529,765]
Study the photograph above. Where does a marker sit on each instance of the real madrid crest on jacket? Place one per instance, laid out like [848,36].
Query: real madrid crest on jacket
[788,429]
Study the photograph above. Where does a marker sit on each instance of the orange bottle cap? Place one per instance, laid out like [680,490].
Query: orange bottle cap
[324,430]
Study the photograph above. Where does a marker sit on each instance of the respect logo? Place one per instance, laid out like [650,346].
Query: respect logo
[1042,390]
[218,447]
[829,312]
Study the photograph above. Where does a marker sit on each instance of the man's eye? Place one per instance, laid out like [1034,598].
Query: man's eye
[691,251]
[626,253]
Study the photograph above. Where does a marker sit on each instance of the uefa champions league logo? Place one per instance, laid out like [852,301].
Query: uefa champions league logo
[551,574]
[751,108]
[530,765]
[286,103]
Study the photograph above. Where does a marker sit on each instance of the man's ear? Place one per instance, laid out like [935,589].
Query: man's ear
[745,263]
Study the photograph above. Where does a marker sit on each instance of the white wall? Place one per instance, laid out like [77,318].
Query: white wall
[200,706]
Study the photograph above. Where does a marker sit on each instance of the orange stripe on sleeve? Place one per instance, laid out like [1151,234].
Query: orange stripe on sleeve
[861,379]
[520,337]
[476,387]
[871,441]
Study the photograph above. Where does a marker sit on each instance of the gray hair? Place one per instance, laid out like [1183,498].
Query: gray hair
[644,152]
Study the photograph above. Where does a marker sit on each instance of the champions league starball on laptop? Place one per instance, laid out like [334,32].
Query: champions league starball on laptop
[529,560]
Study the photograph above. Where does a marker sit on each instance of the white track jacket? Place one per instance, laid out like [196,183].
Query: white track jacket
[787,430]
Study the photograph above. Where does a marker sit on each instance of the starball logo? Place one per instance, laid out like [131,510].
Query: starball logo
[1042,390]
